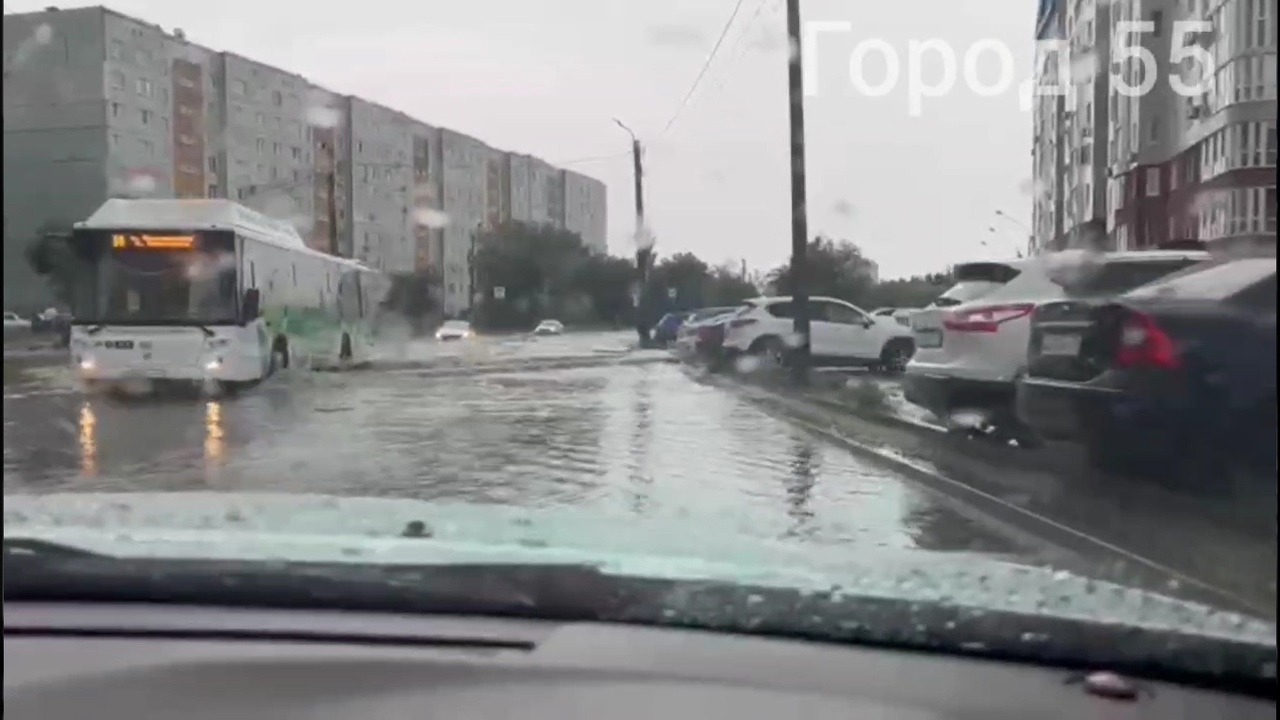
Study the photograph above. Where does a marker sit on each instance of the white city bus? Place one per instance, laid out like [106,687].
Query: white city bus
[208,291]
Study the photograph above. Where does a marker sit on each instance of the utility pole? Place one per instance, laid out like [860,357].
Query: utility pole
[644,252]
[799,220]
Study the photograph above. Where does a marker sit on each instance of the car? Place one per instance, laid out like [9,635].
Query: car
[455,330]
[704,338]
[840,333]
[13,321]
[696,318]
[1175,378]
[902,316]
[549,327]
[668,326]
[971,343]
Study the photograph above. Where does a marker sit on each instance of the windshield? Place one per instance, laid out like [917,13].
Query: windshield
[153,278]
[591,283]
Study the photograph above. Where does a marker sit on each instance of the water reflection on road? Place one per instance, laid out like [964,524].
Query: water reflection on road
[643,440]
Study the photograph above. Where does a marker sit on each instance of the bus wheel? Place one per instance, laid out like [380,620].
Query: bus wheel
[344,352]
[279,354]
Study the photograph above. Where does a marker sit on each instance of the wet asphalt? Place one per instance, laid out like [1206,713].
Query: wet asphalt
[575,420]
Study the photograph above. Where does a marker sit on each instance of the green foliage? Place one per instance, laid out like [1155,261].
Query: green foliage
[50,255]
[547,272]
[837,268]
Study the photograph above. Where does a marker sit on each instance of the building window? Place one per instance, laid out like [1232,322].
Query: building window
[146,117]
[144,87]
[117,80]
[1153,182]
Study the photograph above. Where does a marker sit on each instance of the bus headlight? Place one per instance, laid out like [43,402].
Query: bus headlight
[86,363]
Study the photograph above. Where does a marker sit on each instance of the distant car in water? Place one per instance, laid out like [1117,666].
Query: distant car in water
[13,321]
[549,327]
[455,330]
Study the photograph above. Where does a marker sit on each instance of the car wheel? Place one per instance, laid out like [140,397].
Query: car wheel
[895,356]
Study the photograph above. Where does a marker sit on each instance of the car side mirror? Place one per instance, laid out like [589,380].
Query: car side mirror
[250,305]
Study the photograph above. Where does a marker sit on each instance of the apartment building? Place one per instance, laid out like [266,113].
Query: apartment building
[1201,166]
[98,104]
[1047,148]
[584,210]
[1196,163]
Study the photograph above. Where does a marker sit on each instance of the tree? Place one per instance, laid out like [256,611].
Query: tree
[51,256]
[836,268]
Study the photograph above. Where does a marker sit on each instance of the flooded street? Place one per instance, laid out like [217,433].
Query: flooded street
[642,440]
[573,422]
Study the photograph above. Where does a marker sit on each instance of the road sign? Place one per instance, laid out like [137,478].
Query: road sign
[499,292]
[671,293]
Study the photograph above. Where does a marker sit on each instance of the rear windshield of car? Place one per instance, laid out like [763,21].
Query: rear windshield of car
[1112,278]
[1213,280]
[973,280]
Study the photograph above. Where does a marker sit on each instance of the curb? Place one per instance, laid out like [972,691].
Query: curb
[838,423]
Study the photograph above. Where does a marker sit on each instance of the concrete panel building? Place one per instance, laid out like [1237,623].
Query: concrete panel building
[98,104]
[465,185]
[428,198]
[382,201]
[1192,165]
[585,210]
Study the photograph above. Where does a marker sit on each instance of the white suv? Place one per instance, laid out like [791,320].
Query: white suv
[839,333]
[969,354]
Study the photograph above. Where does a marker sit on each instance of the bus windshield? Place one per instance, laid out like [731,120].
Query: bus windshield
[157,278]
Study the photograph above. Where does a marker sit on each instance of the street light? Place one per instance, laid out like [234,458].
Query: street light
[1031,236]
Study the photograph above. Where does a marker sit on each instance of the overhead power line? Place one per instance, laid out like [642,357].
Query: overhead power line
[715,49]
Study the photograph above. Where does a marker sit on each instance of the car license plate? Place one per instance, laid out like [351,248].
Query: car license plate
[1060,344]
[928,338]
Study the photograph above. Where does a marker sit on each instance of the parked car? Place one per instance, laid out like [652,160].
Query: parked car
[703,337]
[839,333]
[700,316]
[454,330]
[1177,377]
[549,327]
[667,327]
[13,322]
[971,344]
[902,316]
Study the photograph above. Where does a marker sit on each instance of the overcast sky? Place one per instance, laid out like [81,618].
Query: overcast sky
[545,77]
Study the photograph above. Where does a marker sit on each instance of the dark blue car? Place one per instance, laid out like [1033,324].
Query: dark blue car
[1176,379]
[668,326]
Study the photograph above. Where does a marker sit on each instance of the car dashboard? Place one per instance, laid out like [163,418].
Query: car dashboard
[72,661]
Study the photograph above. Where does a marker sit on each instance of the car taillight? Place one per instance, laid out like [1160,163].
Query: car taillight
[1143,343]
[985,319]
[742,322]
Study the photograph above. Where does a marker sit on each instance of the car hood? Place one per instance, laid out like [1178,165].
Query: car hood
[317,528]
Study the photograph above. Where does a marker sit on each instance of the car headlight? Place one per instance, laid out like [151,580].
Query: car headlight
[213,363]
[86,363]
